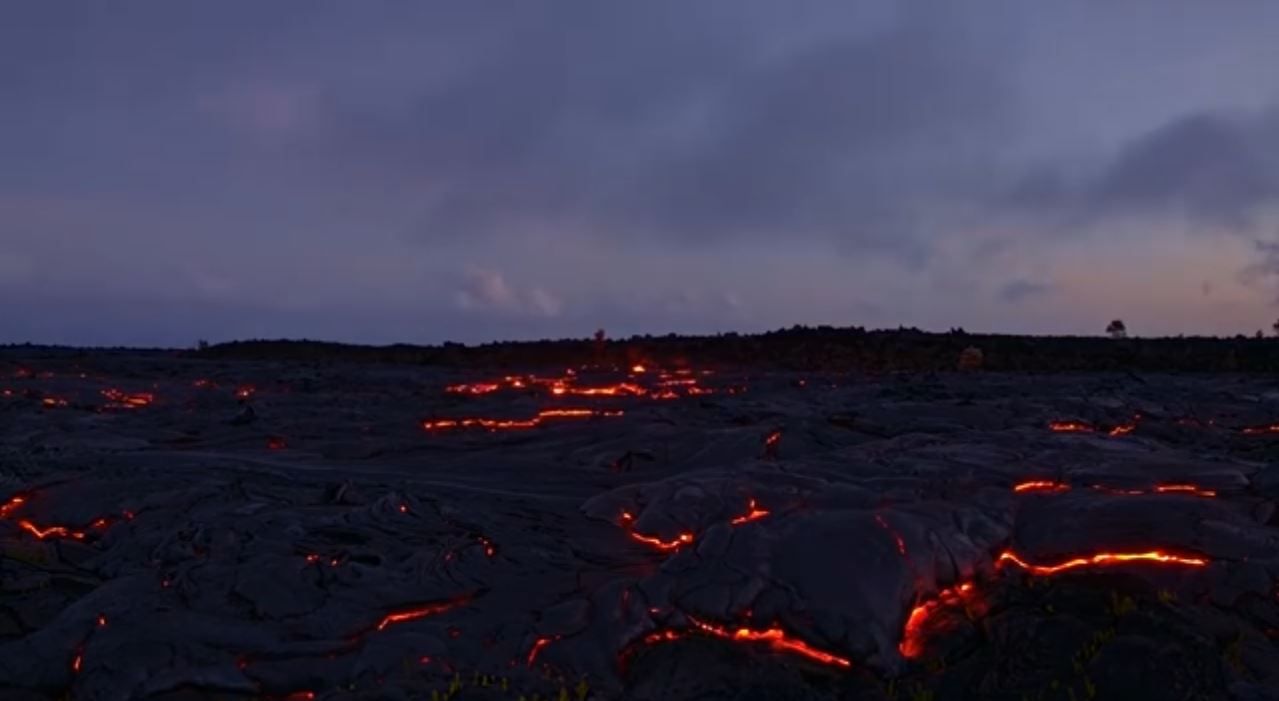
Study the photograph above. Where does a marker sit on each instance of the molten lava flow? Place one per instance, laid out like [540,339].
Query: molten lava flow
[638,369]
[753,513]
[1069,427]
[51,531]
[513,424]
[1041,486]
[772,442]
[1184,489]
[121,400]
[477,388]
[422,611]
[245,391]
[776,639]
[53,402]
[912,642]
[11,506]
[1251,430]
[681,539]
[897,538]
[1102,559]
[538,646]
[1122,430]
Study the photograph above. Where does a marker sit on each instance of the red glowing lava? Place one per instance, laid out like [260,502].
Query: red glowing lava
[638,369]
[477,388]
[538,646]
[897,538]
[1102,559]
[422,611]
[1253,430]
[681,539]
[1051,486]
[45,532]
[513,424]
[1041,486]
[775,638]
[912,642]
[276,443]
[1069,427]
[245,391]
[123,400]
[54,402]
[753,513]
[1122,430]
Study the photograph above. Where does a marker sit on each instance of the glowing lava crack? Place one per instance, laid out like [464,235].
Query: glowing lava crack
[1101,559]
[774,638]
[515,424]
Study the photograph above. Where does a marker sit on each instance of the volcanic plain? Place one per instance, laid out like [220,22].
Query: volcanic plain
[175,528]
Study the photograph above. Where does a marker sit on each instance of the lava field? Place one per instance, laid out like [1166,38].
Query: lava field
[174,528]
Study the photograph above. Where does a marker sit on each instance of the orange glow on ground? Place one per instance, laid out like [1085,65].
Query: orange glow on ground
[54,402]
[516,424]
[681,539]
[478,388]
[1101,559]
[245,391]
[537,648]
[1122,430]
[775,638]
[1041,486]
[1252,430]
[753,513]
[123,400]
[423,611]
[638,369]
[897,538]
[1069,427]
[1184,489]
[913,635]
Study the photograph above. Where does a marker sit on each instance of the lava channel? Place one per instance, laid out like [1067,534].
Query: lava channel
[517,424]
[775,638]
[422,611]
[913,635]
[1101,559]
[1053,486]
[117,399]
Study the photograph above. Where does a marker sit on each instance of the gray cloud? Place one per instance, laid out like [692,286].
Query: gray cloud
[1020,290]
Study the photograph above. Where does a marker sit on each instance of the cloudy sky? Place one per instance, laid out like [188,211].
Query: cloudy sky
[422,171]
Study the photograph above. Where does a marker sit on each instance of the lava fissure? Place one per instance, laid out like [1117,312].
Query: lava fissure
[1101,559]
[515,424]
[913,633]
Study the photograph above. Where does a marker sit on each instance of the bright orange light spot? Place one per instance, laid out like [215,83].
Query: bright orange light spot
[1102,559]
[76,662]
[1271,428]
[11,506]
[1041,486]
[1069,427]
[638,369]
[245,391]
[479,388]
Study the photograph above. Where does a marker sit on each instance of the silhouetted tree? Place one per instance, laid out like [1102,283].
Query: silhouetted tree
[1116,329]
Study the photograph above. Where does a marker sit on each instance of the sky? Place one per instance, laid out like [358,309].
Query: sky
[392,171]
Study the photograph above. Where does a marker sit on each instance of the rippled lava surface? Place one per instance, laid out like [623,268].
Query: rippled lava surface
[179,529]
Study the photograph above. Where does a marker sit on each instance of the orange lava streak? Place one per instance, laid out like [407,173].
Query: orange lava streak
[419,612]
[1041,486]
[1122,430]
[1271,428]
[897,538]
[510,424]
[1102,559]
[776,639]
[477,388]
[52,402]
[1185,489]
[912,642]
[681,539]
[1069,427]
[11,505]
[538,646]
[123,400]
[753,513]
[51,531]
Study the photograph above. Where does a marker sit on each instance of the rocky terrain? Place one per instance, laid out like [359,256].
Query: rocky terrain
[179,528]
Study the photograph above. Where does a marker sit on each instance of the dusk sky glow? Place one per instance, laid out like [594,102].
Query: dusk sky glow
[425,171]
